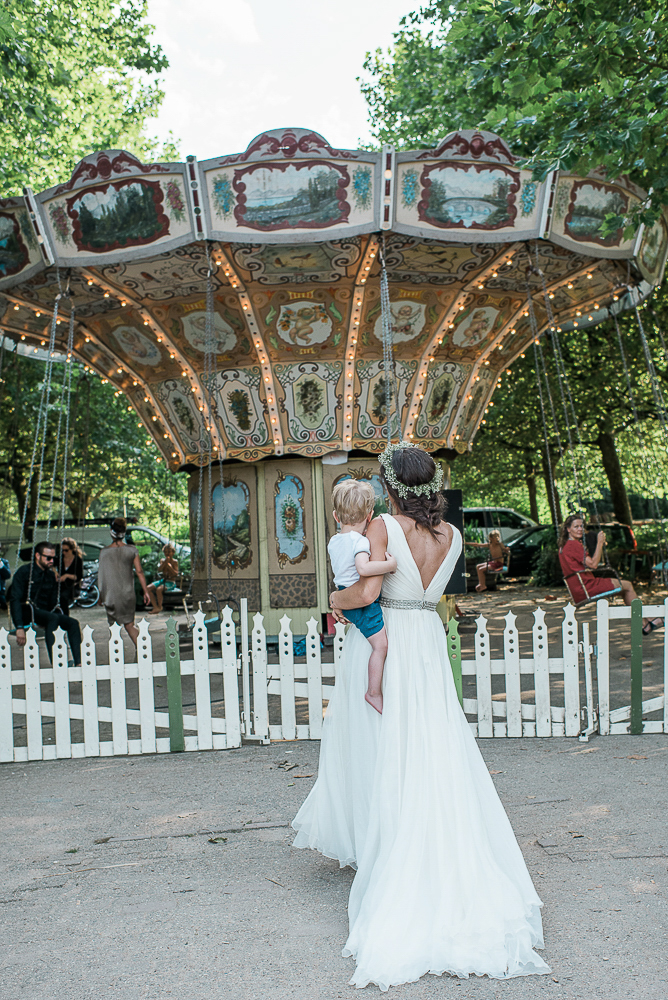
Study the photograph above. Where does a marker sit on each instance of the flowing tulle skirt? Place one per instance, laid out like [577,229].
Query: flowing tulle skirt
[441,884]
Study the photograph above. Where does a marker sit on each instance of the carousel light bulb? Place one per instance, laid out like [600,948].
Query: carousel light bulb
[569,285]
[135,383]
[551,295]
[615,298]
[481,286]
[349,397]
[88,340]
[590,276]
[123,302]
[23,337]
[38,315]
[266,378]
[106,295]
[596,305]
[495,274]
[523,355]
[145,322]
[16,308]
[119,370]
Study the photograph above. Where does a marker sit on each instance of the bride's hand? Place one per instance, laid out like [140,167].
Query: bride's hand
[337,614]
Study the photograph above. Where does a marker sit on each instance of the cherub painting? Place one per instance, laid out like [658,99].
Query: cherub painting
[194,326]
[138,347]
[304,323]
[476,328]
[407,321]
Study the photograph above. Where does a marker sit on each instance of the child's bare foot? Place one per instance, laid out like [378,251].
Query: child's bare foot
[375,700]
[480,588]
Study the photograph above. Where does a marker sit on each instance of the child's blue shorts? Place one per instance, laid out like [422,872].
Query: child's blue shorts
[369,619]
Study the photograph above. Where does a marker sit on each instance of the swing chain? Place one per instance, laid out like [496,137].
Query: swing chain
[389,379]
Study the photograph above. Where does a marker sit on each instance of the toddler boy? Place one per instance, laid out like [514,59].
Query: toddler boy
[350,556]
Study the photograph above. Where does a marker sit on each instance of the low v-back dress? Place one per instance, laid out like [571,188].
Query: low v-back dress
[406,798]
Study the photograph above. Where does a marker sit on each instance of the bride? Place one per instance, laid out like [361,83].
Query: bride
[405,797]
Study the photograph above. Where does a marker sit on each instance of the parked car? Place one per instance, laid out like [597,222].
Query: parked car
[507,521]
[525,548]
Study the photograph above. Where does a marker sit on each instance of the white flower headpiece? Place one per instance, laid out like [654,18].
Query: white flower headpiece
[434,485]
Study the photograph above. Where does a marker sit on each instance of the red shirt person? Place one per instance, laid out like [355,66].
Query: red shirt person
[575,560]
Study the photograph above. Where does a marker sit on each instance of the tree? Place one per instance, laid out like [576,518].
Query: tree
[112,466]
[570,84]
[75,76]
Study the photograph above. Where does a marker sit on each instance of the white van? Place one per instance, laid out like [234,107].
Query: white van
[507,521]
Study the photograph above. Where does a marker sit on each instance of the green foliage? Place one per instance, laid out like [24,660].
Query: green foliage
[113,468]
[573,84]
[75,77]
[509,448]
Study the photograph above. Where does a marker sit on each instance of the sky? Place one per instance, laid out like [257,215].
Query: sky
[241,67]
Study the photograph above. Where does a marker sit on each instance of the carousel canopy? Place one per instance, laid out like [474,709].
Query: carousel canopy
[253,281]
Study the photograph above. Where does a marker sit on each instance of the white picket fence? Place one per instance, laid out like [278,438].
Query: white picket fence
[507,713]
[263,700]
[618,720]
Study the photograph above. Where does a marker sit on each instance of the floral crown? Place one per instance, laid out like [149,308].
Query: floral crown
[424,489]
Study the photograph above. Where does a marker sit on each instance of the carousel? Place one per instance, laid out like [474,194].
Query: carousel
[274,315]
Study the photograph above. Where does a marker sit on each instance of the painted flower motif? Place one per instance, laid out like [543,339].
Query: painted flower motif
[60,223]
[528,197]
[27,231]
[362,187]
[410,188]
[223,196]
[175,201]
[562,199]
[238,400]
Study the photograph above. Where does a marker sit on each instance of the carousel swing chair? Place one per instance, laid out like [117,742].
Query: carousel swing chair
[40,445]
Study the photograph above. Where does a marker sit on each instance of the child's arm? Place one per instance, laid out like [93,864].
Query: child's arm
[374,567]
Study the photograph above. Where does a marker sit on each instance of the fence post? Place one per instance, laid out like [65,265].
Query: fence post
[119,717]
[569,636]
[483,679]
[61,695]
[6,719]
[245,665]
[603,666]
[636,667]
[339,636]
[89,694]
[33,696]
[146,690]
[259,654]
[541,672]
[286,658]
[511,655]
[228,641]
[202,683]
[454,647]
[314,679]
[174,694]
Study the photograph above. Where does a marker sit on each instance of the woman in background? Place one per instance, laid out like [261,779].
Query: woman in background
[69,573]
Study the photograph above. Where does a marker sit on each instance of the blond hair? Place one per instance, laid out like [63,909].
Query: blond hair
[354,500]
[494,533]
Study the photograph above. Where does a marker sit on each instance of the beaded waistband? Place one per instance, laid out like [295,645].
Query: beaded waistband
[387,602]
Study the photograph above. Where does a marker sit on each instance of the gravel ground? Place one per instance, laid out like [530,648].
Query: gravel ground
[174,875]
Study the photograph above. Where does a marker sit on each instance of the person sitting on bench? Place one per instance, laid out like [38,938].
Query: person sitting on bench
[41,591]
[577,566]
[494,564]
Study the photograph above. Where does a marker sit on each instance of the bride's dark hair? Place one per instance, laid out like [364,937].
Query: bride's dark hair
[413,467]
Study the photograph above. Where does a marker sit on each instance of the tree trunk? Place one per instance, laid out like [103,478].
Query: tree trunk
[530,479]
[613,470]
[555,509]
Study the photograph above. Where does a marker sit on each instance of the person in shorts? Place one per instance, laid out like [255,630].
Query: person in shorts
[350,555]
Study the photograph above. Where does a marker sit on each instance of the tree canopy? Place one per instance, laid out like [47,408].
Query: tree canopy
[76,76]
[569,84]
[112,465]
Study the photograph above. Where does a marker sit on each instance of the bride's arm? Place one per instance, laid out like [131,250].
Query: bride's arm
[367,589]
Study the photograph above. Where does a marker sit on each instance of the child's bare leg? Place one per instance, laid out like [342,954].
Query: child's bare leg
[482,585]
[374,694]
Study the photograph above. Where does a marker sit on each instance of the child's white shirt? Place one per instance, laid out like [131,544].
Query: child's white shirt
[342,548]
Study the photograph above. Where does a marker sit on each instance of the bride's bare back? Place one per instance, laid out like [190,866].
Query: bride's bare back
[427,551]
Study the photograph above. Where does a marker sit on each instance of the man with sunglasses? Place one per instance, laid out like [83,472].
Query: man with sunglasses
[41,591]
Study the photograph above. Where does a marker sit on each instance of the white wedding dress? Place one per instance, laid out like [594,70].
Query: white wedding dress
[406,798]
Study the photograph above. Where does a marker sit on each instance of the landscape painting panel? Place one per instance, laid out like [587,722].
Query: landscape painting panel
[469,198]
[13,252]
[590,203]
[123,214]
[231,526]
[292,196]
